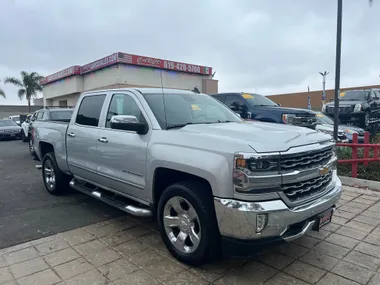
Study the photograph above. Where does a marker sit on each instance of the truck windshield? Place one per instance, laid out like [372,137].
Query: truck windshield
[177,110]
[354,96]
[258,100]
[64,116]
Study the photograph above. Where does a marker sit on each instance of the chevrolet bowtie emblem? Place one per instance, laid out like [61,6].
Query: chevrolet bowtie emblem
[323,171]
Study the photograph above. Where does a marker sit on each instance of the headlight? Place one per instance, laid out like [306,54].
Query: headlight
[255,173]
[357,108]
[288,118]
[324,108]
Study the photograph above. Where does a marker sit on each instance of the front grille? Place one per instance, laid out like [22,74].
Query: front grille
[306,160]
[300,191]
[343,110]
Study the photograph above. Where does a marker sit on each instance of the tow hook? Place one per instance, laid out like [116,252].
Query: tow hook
[39,166]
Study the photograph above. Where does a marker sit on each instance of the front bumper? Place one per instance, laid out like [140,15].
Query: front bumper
[237,219]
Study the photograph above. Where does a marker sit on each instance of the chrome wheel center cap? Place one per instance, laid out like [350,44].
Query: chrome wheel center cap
[184,223]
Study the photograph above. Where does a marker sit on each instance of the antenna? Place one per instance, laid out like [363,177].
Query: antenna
[163,100]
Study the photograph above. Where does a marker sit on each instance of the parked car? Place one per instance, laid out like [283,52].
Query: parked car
[260,108]
[25,128]
[356,107]
[345,132]
[9,129]
[45,115]
[15,118]
[211,179]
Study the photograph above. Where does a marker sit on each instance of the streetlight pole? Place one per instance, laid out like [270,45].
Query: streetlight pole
[337,67]
[324,74]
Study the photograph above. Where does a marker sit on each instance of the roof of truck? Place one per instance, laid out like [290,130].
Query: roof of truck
[156,90]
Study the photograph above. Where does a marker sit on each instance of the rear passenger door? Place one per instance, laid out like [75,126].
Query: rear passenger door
[82,137]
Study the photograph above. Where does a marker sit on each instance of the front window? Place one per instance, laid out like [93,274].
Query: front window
[258,100]
[61,115]
[8,123]
[323,119]
[354,96]
[173,110]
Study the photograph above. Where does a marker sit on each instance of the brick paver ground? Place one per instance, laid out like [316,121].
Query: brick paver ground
[129,251]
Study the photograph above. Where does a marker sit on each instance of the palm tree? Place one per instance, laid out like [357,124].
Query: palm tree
[29,85]
[2,93]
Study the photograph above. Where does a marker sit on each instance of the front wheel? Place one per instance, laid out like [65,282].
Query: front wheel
[187,222]
[56,182]
[366,119]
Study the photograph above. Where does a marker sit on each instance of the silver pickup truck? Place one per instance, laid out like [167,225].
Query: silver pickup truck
[214,182]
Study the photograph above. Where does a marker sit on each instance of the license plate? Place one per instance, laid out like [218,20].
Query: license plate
[324,219]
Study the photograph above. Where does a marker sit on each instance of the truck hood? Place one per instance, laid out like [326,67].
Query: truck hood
[261,137]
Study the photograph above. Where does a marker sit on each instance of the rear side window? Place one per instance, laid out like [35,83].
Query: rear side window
[89,110]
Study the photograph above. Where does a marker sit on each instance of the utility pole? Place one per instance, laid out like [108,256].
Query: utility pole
[324,74]
[337,67]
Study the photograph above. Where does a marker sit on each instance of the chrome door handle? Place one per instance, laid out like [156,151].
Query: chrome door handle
[103,140]
[71,134]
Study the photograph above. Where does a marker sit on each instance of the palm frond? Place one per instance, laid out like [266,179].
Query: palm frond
[2,93]
[14,81]
[21,93]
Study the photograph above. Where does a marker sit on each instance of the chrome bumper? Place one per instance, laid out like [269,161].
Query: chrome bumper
[237,219]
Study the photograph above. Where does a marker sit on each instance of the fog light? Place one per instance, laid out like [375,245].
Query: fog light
[261,222]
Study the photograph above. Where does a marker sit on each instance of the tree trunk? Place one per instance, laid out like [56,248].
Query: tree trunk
[29,105]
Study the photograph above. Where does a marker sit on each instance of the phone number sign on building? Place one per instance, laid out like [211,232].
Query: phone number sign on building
[130,59]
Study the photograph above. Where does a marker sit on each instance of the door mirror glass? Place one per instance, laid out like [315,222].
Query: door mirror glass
[128,123]
[235,106]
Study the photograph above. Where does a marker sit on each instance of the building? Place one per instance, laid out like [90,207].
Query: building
[300,100]
[124,70]
[13,110]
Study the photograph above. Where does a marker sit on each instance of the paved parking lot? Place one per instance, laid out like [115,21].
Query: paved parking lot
[125,250]
[28,211]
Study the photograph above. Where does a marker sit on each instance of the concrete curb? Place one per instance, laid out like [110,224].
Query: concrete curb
[360,183]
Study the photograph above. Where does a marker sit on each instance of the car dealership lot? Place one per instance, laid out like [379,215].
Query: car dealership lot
[48,239]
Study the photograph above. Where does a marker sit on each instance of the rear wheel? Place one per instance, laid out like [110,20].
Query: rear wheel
[366,119]
[56,182]
[187,222]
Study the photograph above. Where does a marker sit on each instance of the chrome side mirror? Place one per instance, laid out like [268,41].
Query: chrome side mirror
[123,119]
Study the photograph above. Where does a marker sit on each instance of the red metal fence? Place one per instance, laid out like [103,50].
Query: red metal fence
[366,153]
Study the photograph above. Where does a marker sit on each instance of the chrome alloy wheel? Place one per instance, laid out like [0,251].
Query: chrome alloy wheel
[31,147]
[49,175]
[182,224]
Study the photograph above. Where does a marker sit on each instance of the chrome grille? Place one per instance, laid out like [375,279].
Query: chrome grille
[305,160]
[299,191]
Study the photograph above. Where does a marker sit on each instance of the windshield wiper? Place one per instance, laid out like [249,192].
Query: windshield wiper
[178,126]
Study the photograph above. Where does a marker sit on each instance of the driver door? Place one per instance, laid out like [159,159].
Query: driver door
[122,154]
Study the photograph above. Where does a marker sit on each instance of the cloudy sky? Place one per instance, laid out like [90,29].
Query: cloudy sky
[268,47]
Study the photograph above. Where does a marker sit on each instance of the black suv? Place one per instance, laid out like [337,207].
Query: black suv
[356,107]
[257,107]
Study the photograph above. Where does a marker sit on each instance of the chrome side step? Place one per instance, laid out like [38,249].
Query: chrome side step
[39,166]
[100,194]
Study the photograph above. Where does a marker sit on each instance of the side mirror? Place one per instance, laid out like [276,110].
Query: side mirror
[278,104]
[128,123]
[235,106]
[238,115]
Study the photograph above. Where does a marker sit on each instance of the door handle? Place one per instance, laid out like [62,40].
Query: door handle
[103,140]
[71,134]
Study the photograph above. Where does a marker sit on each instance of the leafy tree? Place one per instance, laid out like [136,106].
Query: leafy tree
[29,85]
[2,93]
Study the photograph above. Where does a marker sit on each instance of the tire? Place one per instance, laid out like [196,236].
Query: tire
[366,120]
[194,201]
[23,137]
[56,182]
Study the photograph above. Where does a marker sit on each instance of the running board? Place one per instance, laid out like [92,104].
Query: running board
[99,194]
